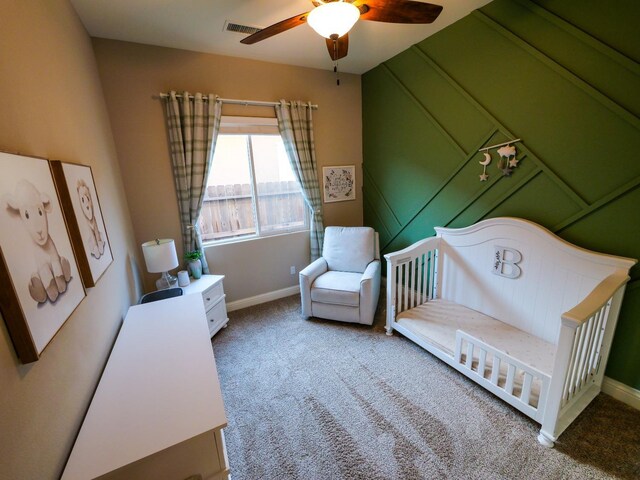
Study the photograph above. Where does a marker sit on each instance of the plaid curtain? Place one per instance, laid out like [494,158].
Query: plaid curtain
[296,128]
[193,125]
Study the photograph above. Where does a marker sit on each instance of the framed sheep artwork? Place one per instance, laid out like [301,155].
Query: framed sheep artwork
[40,281]
[81,208]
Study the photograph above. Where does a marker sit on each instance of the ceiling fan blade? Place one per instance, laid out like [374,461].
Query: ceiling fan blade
[340,49]
[398,11]
[275,29]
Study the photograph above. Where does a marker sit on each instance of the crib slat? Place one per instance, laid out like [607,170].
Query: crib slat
[584,367]
[432,266]
[469,360]
[576,361]
[410,278]
[592,345]
[405,282]
[602,320]
[426,276]
[416,282]
[597,340]
[511,371]
[526,387]
[423,279]
[567,380]
[482,362]
[457,354]
[435,293]
[419,280]
[495,370]
[402,273]
[398,289]
[601,329]
[576,364]
[425,271]
[585,350]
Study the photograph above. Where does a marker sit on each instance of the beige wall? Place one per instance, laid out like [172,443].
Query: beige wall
[52,106]
[257,266]
[132,73]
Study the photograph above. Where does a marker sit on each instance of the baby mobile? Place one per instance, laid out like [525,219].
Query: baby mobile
[507,162]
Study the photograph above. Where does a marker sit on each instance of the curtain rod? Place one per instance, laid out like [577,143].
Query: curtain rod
[254,103]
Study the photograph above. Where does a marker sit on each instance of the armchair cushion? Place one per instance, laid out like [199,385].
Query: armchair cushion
[349,249]
[338,288]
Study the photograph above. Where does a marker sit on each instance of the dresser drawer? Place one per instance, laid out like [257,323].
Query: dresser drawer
[217,317]
[212,295]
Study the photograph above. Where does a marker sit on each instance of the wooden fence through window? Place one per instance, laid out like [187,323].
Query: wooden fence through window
[227,210]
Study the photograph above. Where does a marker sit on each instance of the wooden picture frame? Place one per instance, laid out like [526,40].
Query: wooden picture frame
[81,208]
[40,281]
[339,183]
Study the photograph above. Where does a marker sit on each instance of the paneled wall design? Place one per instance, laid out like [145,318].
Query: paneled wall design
[564,80]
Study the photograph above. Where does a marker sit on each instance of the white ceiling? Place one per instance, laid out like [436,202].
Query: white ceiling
[198,25]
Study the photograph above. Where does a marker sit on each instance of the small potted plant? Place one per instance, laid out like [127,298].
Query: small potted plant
[195,265]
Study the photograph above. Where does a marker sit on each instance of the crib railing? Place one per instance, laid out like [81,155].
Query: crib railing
[412,277]
[585,339]
[517,383]
[585,354]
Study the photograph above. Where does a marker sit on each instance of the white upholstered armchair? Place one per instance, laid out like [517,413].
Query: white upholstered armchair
[343,284]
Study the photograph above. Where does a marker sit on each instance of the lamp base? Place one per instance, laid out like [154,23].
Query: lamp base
[166,281]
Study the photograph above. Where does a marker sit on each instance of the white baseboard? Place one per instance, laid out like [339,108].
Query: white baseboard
[622,392]
[262,298]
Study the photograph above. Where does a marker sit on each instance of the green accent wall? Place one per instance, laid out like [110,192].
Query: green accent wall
[561,75]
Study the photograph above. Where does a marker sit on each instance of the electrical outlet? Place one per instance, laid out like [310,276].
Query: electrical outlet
[293,270]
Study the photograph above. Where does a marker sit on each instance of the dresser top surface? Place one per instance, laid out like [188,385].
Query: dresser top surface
[202,284]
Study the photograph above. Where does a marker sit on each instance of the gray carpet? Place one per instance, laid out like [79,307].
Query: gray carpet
[316,399]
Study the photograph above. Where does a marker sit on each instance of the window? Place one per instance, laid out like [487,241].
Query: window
[251,189]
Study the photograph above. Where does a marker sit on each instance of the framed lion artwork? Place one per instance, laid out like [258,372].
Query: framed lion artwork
[81,207]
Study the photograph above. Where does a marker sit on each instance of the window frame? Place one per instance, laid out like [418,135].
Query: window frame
[250,126]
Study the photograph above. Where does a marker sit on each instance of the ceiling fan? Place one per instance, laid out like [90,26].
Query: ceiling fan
[333,19]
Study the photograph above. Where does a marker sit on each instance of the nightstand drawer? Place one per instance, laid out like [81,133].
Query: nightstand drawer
[212,295]
[217,317]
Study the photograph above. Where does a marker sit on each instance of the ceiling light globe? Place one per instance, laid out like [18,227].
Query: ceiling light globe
[335,18]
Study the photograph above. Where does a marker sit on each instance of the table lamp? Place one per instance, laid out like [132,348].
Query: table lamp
[160,256]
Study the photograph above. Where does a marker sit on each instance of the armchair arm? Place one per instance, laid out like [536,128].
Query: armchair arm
[314,270]
[306,278]
[369,292]
[371,272]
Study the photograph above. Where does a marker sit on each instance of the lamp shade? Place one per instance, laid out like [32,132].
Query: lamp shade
[335,18]
[160,255]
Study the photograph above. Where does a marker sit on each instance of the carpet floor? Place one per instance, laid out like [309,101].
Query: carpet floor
[314,399]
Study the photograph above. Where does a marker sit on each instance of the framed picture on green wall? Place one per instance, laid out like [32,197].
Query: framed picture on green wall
[339,183]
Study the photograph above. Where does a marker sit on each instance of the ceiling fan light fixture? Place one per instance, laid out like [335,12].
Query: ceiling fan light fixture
[335,18]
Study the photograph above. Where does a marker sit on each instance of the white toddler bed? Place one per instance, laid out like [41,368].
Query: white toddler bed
[515,308]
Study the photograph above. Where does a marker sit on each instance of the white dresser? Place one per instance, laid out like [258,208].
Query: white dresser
[212,290]
[157,412]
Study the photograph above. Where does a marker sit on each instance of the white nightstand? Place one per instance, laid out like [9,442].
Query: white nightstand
[212,291]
